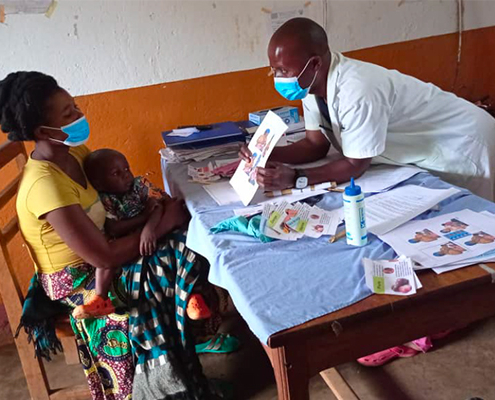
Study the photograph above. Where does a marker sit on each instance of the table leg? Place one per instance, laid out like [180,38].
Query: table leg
[291,374]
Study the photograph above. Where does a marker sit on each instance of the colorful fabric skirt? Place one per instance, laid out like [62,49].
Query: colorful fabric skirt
[143,351]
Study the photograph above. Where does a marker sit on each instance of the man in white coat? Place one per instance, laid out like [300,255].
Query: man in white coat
[371,115]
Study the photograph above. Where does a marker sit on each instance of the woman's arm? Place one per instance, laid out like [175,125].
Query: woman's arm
[118,228]
[80,233]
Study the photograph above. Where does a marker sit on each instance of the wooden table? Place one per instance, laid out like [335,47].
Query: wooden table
[453,299]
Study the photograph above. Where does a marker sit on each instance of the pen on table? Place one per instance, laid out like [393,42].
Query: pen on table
[337,236]
[331,186]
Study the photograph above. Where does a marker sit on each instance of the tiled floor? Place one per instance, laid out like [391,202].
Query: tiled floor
[460,367]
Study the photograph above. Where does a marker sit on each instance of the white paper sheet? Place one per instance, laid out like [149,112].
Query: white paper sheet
[266,137]
[248,211]
[484,258]
[225,194]
[395,277]
[444,240]
[26,6]
[222,193]
[184,132]
[379,178]
[323,222]
[386,211]
[281,14]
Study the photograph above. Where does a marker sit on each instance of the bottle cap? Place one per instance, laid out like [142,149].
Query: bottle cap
[352,189]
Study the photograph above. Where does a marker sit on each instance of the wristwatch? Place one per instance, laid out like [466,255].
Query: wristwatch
[301,179]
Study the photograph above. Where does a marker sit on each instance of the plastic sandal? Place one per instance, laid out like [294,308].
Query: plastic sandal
[197,308]
[382,357]
[220,343]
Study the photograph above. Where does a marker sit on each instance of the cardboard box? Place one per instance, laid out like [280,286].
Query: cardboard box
[290,115]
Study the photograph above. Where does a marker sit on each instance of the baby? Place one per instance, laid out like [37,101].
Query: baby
[131,203]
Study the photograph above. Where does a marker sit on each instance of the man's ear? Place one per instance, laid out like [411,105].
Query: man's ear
[41,133]
[318,62]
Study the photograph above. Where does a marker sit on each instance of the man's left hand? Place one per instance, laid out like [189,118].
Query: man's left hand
[276,176]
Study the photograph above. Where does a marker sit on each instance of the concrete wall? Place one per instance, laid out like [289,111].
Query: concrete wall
[97,46]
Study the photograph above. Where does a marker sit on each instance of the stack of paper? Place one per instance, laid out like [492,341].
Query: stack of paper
[489,256]
[391,276]
[451,240]
[213,171]
[380,178]
[386,211]
[176,155]
[287,221]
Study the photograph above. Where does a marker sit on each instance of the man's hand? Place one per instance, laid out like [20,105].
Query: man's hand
[276,176]
[147,244]
[245,153]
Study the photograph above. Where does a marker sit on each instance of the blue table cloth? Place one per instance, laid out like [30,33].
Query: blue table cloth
[282,284]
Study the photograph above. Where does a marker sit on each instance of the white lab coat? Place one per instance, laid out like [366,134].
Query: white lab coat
[397,119]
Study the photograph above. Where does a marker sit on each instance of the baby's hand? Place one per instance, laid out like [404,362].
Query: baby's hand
[147,246]
[151,204]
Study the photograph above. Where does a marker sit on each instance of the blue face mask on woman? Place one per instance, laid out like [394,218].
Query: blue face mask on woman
[290,88]
[77,132]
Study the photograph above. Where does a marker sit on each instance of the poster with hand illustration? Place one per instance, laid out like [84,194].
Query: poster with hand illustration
[445,239]
[261,145]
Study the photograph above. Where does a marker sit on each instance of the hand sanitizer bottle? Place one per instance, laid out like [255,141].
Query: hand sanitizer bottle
[355,220]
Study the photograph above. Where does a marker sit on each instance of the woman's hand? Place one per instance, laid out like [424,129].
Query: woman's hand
[174,216]
[245,153]
[276,176]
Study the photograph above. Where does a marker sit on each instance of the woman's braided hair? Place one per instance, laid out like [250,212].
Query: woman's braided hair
[23,97]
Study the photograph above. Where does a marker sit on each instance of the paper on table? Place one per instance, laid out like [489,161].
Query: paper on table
[379,178]
[390,276]
[445,239]
[268,134]
[488,214]
[386,211]
[484,258]
[309,189]
[222,193]
[267,231]
[322,222]
[489,256]
[248,211]
[184,132]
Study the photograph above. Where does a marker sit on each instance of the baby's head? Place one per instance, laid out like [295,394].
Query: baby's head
[108,171]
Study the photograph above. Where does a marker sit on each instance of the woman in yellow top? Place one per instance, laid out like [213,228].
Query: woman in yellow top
[145,352]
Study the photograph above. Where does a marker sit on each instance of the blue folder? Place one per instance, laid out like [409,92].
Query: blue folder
[221,133]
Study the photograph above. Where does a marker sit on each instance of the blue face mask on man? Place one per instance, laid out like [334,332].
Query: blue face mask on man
[77,132]
[290,88]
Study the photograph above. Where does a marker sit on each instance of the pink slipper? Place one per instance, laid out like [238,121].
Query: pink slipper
[383,357]
[422,344]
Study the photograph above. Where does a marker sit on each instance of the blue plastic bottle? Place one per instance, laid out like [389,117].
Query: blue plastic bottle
[354,215]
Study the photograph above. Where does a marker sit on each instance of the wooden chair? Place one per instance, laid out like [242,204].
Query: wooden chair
[13,298]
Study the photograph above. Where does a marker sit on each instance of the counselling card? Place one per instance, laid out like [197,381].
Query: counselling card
[261,145]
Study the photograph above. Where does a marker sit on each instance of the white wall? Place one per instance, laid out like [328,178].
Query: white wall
[93,46]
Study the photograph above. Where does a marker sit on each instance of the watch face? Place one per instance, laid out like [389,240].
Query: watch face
[301,182]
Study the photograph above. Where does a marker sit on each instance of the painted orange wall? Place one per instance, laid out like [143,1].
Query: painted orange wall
[131,120]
